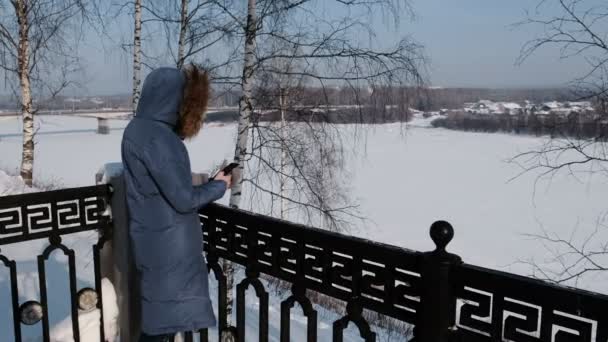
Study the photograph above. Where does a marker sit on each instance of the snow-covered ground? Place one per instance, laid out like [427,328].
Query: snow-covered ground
[13,185]
[404,180]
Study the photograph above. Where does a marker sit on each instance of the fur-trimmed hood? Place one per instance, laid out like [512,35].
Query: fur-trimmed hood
[193,108]
[175,97]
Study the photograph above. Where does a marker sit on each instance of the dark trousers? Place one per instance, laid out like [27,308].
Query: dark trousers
[156,338]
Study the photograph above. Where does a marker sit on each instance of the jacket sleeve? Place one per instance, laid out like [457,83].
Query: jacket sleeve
[174,180]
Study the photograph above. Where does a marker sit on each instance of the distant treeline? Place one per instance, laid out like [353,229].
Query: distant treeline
[581,126]
[455,98]
[425,99]
[363,115]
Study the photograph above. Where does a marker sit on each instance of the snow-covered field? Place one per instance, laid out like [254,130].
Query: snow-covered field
[404,181]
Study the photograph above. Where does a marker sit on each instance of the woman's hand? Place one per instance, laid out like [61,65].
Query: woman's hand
[226,178]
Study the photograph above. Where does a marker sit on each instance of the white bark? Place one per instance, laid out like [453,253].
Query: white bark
[137,55]
[282,178]
[245,113]
[181,47]
[27,113]
[245,105]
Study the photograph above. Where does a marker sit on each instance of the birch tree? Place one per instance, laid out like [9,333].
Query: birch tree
[183,26]
[136,53]
[191,30]
[284,86]
[245,104]
[37,53]
[330,52]
[27,111]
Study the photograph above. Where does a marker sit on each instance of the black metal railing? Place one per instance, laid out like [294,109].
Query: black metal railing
[50,215]
[499,306]
[365,274]
[444,298]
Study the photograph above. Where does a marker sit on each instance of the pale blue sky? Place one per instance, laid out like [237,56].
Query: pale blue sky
[474,43]
[470,43]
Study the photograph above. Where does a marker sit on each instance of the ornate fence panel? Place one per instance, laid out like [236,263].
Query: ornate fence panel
[446,299]
[50,215]
[364,274]
[497,306]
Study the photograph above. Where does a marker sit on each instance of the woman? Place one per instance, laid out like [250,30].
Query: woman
[164,225]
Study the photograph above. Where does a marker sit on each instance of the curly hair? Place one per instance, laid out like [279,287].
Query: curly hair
[193,109]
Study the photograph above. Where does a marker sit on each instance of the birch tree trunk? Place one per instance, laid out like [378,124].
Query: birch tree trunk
[182,34]
[137,55]
[27,113]
[282,178]
[240,152]
[245,104]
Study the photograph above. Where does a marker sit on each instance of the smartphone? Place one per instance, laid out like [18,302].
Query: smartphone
[227,169]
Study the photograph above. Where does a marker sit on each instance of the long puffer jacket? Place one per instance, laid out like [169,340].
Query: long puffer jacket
[164,227]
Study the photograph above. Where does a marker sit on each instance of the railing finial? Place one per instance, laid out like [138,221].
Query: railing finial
[441,233]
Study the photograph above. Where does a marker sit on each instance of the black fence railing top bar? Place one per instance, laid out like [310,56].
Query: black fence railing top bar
[273,224]
[44,214]
[515,308]
[517,283]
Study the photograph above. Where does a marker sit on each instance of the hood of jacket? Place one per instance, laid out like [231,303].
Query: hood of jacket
[161,96]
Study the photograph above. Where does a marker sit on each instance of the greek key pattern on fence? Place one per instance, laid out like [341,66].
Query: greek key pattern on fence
[49,215]
[362,273]
[497,306]
[38,215]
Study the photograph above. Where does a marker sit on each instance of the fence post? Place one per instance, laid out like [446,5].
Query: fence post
[116,257]
[437,308]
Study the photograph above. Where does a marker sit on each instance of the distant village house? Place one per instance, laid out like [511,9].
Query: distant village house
[487,107]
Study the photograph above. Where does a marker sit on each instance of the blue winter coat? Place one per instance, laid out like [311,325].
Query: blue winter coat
[164,226]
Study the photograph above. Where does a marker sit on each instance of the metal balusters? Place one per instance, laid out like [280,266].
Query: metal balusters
[211,243]
[204,335]
[214,265]
[354,310]
[55,243]
[354,313]
[12,266]
[97,274]
[298,296]
[252,278]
